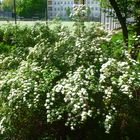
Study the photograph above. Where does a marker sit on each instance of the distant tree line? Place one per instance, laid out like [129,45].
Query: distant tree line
[26,8]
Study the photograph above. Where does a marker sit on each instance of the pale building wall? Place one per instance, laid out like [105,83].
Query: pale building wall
[57,8]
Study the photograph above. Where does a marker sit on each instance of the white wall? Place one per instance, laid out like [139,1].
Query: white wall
[59,6]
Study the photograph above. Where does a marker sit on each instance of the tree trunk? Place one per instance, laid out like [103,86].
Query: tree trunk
[83,2]
[135,52]
[122,20]
[137,16]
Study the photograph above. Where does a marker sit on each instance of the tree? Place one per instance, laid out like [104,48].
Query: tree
[81,1]
[26,8]
[88,12]
[136,14]
[123,10]
[122,19]
[136,50]
[7,5]
[29,8]
[68,11]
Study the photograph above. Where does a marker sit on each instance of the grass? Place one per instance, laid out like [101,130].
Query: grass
[30,23]
[51,23]
[117,36]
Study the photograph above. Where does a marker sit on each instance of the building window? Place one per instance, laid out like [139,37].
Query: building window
[50,8]
[50,14]
[96,2]
[96,15]
[49,2]
[96,8]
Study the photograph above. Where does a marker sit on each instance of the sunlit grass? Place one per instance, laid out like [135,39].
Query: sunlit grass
[50,23]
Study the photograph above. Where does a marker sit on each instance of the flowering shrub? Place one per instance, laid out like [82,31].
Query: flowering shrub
[64,81]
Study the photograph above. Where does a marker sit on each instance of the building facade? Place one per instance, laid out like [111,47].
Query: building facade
[58,8]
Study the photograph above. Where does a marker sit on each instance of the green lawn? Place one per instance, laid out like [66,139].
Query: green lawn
[20,22]
[51,23]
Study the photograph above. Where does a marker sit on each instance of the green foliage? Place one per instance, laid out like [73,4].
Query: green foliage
[59,82]
[26,8]
[31,8]
[68,11]
[7,5]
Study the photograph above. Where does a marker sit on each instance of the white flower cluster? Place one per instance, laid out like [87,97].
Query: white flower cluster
[119,74]
[2,128]
[79,12]
[108,122]
[73,77]
[50,99]
[107,96]
[105,69]
[75,96]
[118,78]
